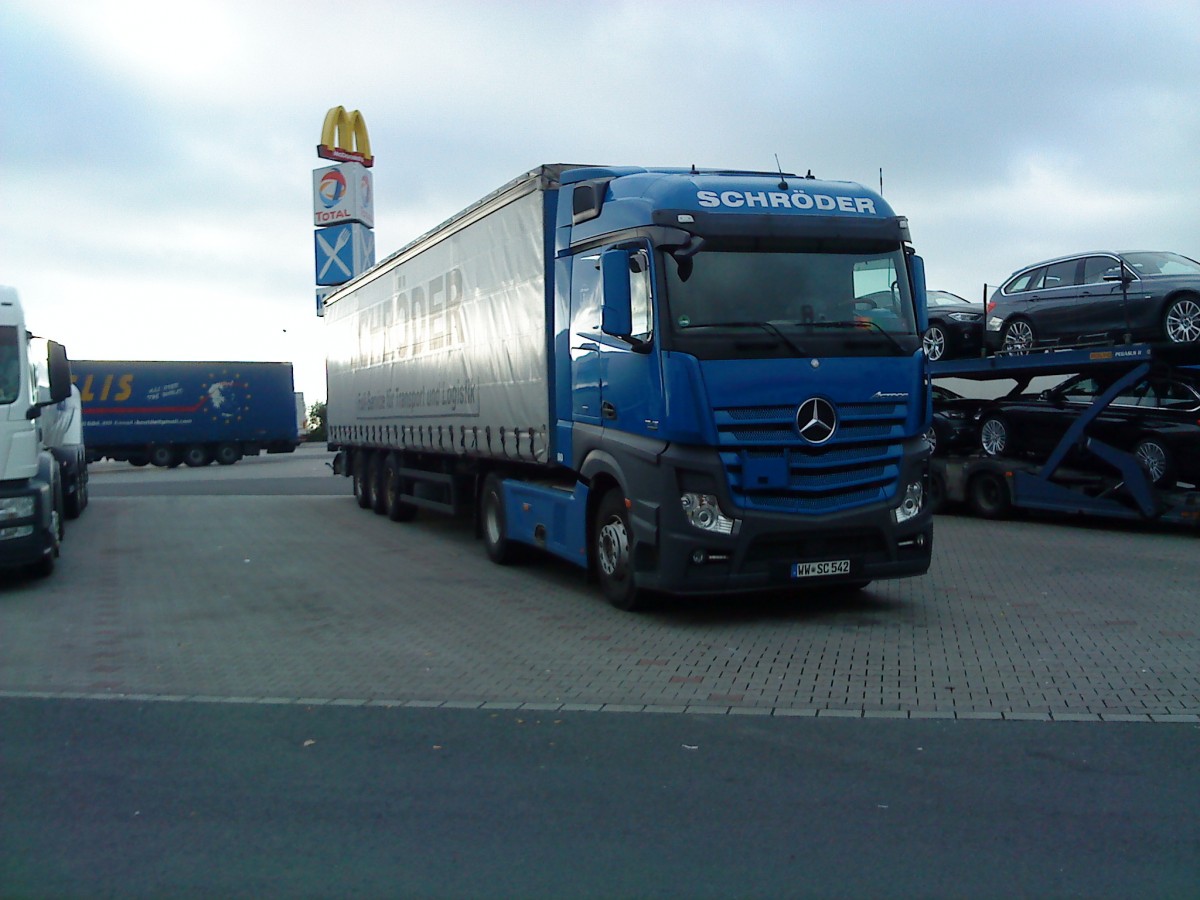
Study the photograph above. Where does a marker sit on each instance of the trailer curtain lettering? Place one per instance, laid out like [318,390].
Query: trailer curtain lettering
[412,322]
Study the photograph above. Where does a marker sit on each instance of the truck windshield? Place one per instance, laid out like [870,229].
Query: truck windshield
[10,364]
[840,299]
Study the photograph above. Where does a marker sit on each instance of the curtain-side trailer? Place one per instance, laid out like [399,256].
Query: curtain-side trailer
[193,412]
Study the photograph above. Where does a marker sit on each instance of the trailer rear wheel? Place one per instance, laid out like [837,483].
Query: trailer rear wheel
[163,456]
[987,495]
[500,549]
[359,476]
[613,551]
[376,500]
[227,454]
[393,485]
[196,455]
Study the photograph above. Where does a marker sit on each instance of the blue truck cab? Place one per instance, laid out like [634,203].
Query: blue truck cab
[741,353]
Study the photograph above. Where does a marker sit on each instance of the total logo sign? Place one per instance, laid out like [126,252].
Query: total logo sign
[343,194]
[332,188]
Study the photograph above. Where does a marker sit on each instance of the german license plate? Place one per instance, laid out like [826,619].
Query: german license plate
[816,569]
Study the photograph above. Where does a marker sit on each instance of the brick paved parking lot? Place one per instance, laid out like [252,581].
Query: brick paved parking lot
[264,582]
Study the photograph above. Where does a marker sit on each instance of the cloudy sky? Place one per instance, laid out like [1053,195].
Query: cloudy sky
[157,157]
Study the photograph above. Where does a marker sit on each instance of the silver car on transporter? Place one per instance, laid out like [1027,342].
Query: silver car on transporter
[1096,297]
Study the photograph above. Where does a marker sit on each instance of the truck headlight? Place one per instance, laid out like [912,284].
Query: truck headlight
[914,496]
[703,512]
[15,508]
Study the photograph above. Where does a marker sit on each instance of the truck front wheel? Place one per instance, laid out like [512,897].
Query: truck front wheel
[613,551]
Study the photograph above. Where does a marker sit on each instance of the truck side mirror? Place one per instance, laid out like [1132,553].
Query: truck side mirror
[617,313]
[59,369]
[916,269]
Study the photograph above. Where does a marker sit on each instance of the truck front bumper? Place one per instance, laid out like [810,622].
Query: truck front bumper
[771,550]
[24,535]
[777,552]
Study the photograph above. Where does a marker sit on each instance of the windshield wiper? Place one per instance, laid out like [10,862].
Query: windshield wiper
[769,327]
[870,324]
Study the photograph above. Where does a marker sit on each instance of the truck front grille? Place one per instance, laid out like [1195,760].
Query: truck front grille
[771,468]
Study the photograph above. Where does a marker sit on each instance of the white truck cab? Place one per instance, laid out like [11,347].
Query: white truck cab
[31,491]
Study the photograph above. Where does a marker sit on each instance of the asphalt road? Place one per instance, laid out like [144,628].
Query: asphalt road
[128,799]
[239,684]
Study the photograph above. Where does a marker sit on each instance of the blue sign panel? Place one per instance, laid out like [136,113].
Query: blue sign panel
[343,251]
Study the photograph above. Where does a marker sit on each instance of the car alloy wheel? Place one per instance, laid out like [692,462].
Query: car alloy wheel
[934,342]
[1182,321]
[1155,460]
[1018,337]
[993,436]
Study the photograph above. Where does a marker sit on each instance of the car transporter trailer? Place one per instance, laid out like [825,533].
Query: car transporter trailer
[992,487]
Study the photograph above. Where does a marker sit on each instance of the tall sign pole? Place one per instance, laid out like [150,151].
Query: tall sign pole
[343,203]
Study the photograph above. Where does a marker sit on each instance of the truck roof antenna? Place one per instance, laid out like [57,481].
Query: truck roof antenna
[783,185]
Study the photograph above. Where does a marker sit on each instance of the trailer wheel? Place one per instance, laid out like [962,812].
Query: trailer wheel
[162,455]
[376,500]
[987,495]
[613,551]
[1156,460]
[500,550]
[393,486]
[227,454]
[139,459]
[196,455]
[359,476]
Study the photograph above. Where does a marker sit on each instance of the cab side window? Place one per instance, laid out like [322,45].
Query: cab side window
[641,295]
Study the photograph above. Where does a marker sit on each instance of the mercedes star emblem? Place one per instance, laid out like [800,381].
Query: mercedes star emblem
[816,420]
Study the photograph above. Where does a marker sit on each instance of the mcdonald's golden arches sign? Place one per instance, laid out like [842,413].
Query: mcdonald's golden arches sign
[344,137]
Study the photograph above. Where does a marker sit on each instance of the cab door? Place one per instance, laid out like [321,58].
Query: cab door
[631,395]
[585,338]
